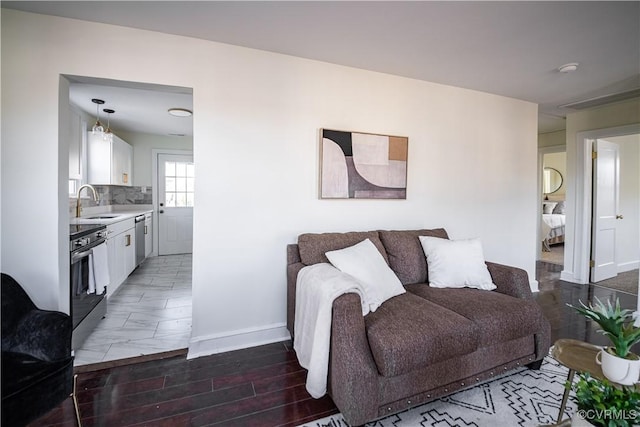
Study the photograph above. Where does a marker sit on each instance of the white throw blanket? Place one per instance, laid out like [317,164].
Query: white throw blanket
[317,287]
[98,269]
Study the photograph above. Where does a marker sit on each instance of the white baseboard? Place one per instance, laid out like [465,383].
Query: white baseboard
[533,284]
[568,276]
[628,266]
[236,340]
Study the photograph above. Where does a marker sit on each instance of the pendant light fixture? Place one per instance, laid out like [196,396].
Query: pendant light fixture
[97,127]
[108,135]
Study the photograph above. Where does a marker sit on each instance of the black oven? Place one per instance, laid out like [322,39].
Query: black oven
[88,306]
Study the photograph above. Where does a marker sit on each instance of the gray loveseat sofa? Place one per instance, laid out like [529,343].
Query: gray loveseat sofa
[427,342]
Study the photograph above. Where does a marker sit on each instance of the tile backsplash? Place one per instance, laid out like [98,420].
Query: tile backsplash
[113,195]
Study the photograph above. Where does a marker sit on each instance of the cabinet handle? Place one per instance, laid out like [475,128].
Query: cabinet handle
[125,178]
[145,230]
[128,237]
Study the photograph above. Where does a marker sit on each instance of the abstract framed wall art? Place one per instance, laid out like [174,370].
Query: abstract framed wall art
[356,165]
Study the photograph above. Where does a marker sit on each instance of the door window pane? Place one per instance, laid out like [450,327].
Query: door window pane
[179,184]
[170,200]
[170,184]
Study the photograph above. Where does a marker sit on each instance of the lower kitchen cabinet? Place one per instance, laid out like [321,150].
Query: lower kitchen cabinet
[121,248]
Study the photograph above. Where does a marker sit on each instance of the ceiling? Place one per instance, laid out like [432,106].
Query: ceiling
[507,48]
[140,108]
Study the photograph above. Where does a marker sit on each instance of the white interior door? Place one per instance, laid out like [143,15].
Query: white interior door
[175,203]
[606,183]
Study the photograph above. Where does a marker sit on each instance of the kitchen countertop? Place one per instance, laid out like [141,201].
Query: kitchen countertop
[107,217]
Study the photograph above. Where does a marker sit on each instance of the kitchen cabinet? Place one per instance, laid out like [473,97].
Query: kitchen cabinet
[109,163]
[121,249]
[148,234]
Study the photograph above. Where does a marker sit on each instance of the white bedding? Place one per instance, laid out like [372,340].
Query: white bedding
[551,227]
[317,287]
[554,220]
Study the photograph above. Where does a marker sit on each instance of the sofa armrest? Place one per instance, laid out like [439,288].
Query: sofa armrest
[353,373]
[510,280]
[45,335]
[292,277]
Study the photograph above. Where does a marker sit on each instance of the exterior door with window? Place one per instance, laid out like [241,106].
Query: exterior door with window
[175,203]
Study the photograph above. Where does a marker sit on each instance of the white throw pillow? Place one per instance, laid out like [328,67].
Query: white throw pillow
[548,207]
[364,262]
[456,263]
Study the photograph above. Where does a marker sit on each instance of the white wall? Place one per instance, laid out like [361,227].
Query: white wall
[143,144]
[552,139]
[472,161]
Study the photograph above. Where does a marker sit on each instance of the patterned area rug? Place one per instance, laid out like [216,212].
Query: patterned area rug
[522,397]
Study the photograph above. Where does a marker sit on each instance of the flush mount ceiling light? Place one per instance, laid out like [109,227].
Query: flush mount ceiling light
[179,112]
[568,68]
[97,127]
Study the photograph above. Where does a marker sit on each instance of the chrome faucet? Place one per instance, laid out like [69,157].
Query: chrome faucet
[95,198]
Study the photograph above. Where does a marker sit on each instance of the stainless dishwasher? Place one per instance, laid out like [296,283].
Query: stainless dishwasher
[140,250]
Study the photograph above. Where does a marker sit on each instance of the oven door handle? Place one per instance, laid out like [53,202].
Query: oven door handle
[77,257]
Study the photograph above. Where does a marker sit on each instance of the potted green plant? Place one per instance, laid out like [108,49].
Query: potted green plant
[619,364]
[602,404]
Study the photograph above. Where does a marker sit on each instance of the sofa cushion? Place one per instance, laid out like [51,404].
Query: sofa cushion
[364,262]
[313,246]
[456,263]
[499,317]
[406,256]
[408,332]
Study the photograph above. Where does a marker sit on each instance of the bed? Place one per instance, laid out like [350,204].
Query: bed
[553,224]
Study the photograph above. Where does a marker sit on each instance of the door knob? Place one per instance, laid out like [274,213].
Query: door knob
[619,217]
[161,211]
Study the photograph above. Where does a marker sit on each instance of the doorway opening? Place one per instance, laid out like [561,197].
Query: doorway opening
[615,236]
[553,183]
[150,312]
[577,260]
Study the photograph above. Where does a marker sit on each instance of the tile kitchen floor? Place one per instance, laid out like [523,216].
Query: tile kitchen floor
[149,313]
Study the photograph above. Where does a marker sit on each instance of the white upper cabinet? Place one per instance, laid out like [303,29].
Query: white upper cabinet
[109,163]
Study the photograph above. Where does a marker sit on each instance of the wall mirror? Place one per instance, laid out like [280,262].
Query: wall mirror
[551,180]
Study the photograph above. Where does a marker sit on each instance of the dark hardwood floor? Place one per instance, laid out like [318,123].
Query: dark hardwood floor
[260,386]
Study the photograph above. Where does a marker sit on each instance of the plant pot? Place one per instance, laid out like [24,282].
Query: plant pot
[579,421]
[617,369]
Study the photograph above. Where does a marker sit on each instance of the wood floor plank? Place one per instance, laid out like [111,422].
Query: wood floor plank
[149,413]
[257,374]
[253,405]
